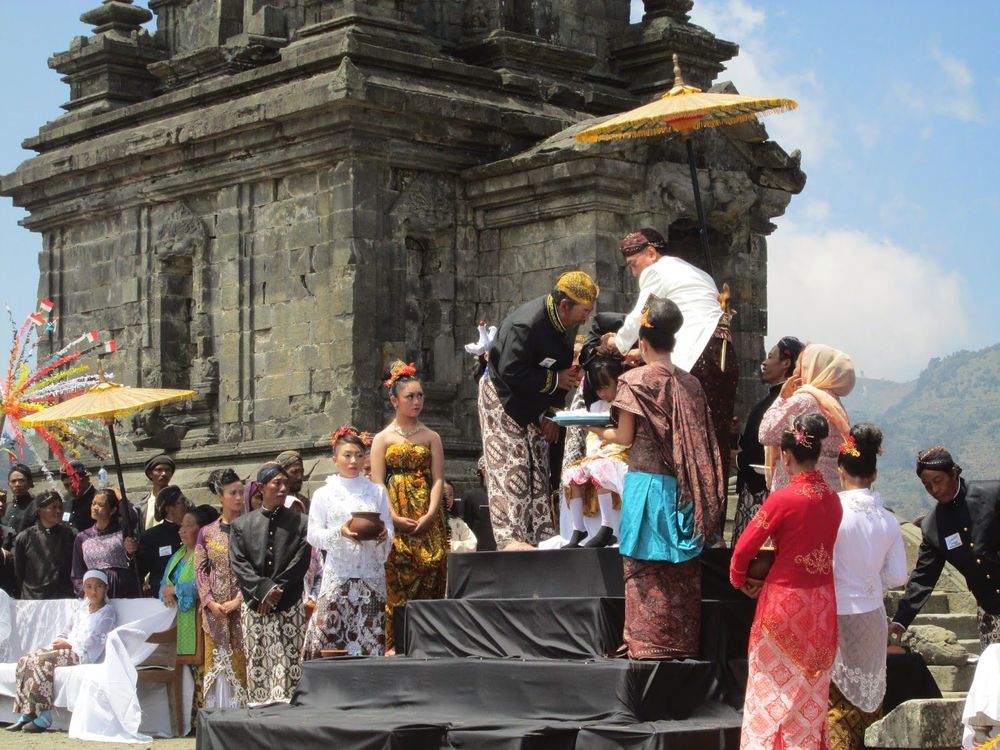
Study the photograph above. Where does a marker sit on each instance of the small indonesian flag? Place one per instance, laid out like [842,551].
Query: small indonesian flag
[91,336]
[110,346]
[46,305]
[36,319]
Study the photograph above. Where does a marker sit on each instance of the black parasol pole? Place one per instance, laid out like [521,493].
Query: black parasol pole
[702,223]
[124,507]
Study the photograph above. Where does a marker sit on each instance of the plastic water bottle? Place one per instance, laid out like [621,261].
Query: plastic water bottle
[102,478]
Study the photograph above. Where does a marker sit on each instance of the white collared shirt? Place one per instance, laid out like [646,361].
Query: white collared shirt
[693,291]
[869,556]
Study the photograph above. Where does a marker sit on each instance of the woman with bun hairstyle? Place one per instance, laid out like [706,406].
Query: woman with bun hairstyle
[673,493]
[225,679]
[350,610]
[408,460]
[868,558]
[793,640]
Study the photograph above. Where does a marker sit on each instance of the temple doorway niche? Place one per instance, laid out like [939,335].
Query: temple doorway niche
[422,311]
[682,238]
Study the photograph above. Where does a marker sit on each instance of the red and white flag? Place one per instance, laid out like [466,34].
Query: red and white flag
[91,336]
[110,346]
[36,319]
[46,305]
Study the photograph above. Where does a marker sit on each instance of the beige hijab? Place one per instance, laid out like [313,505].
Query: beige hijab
[824,373]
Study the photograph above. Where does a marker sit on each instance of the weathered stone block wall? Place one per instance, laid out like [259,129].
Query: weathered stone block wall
[299,191]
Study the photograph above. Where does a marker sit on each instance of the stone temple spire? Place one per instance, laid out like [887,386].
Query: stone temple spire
[108,70]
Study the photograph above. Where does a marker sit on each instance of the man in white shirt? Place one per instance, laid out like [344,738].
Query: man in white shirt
[703,337]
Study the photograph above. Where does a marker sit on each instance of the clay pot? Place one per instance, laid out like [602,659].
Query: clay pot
[760,566]
[367,525]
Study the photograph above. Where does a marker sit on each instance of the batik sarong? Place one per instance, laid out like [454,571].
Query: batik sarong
[847,722]
[720,391]
[793,643]
[989,627]
[417,567]
[517,473]
[662,608]
[274,652]
[349,617]
[747,505]
[35,675]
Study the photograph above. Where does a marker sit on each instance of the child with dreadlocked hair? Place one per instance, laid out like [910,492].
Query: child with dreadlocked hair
[596,480]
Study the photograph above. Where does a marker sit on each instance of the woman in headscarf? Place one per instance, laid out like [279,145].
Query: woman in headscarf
[823,375]
[673,492]
[219,593]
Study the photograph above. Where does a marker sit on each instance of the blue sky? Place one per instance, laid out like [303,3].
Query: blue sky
[887,254]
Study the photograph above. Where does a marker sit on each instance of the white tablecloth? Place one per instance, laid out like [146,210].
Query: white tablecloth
[102,697]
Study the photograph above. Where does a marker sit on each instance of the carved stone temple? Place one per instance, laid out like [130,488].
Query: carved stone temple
[267,200]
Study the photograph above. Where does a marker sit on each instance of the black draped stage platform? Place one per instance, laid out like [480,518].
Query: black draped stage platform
[513,659]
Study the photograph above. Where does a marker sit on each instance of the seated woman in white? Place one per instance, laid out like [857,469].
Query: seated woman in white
[82,643]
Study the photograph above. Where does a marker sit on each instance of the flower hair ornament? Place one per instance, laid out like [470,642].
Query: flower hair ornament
[400,370]
[344,432]
[644,318]
[849,447]
[367,438]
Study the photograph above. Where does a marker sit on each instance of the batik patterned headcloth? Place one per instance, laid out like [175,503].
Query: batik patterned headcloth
[936,459]
[579,287]
[636,241]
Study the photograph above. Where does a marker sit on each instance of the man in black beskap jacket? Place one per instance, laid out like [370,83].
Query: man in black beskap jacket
[530,371]
[269,555]
[964,530]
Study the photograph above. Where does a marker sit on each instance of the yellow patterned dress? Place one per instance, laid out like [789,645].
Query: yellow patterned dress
[417,565]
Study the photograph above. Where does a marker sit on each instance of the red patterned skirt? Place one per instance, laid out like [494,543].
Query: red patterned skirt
[793,643]
[662,608]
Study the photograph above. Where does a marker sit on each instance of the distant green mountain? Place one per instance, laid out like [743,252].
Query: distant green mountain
[955,402]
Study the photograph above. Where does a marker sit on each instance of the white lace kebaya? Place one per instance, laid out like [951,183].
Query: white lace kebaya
[330,508]
[868,557]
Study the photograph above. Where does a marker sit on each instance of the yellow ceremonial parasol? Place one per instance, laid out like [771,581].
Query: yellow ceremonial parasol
[685,109]
[108,401]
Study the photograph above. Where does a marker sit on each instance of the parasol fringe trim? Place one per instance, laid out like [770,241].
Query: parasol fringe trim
[601,134]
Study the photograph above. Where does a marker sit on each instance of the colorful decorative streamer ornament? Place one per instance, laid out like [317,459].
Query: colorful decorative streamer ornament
[31,384]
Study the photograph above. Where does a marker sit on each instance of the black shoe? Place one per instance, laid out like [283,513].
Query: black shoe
[574,541]
[604,536]
[20,724]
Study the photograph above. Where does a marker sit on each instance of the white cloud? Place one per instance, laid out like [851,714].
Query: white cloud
[759,70]
[950,94]
[888,307]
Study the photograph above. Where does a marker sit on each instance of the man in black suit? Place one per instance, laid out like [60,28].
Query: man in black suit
[269,554]
[8,582]
[79,495]
[964,530]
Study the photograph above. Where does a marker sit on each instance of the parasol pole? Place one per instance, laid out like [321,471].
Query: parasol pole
[124,507]
[702,222]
